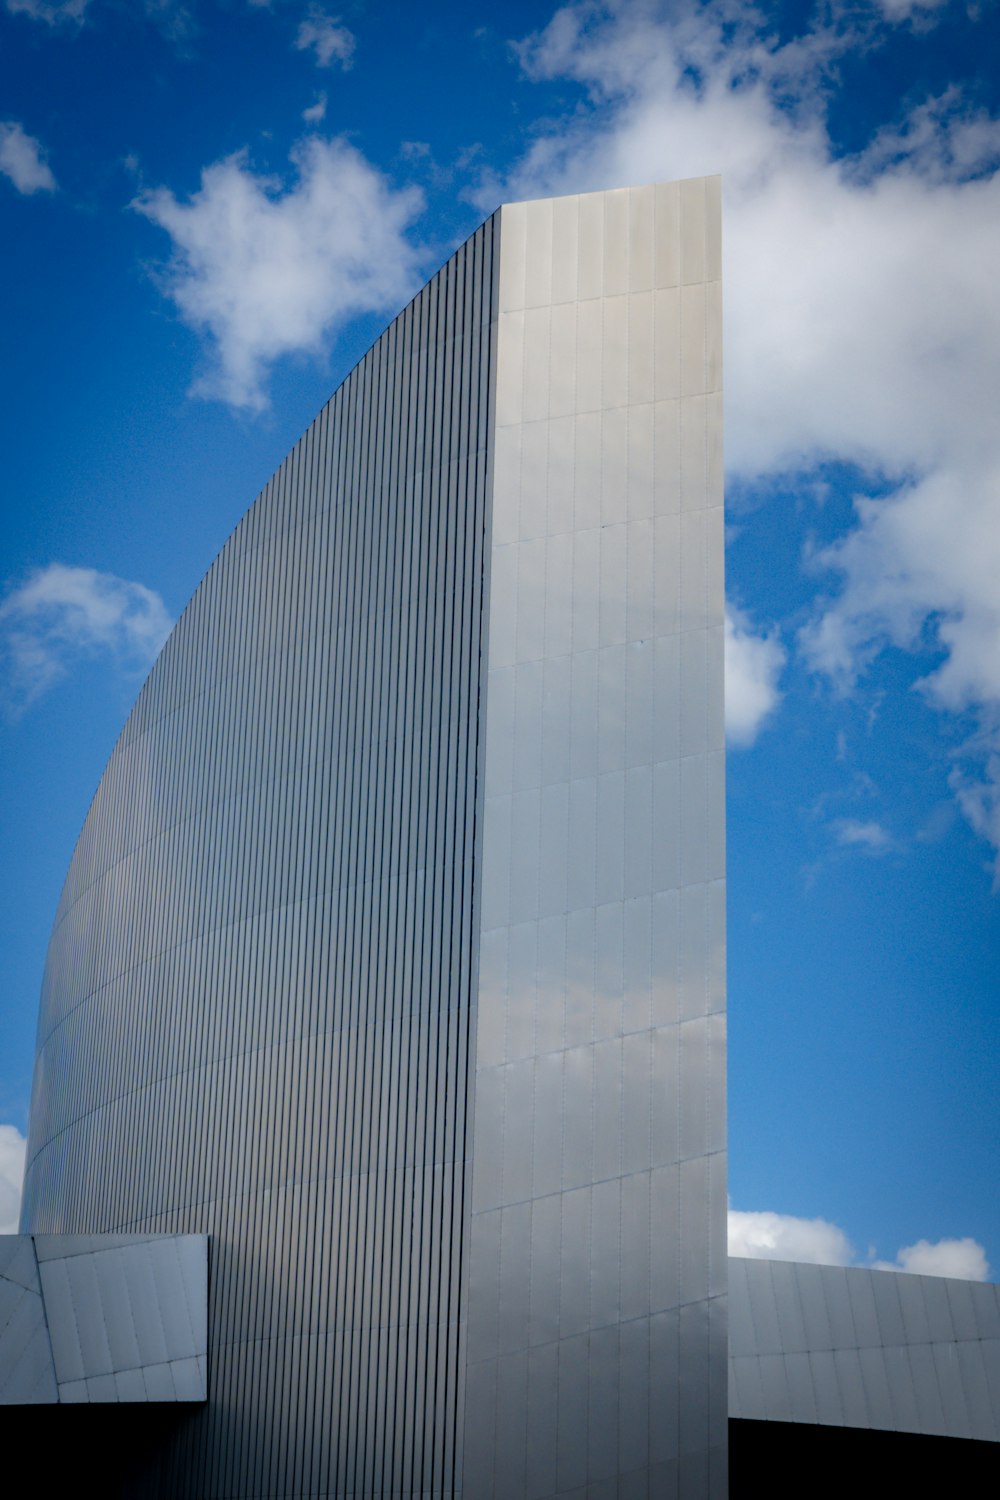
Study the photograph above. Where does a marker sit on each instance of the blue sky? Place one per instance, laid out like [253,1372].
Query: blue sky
[210,209]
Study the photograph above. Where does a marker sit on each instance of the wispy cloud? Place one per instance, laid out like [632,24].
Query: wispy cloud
[324,35]
[978,790]
[22,160]
[52,12]
[61,614]
[753,667]
[12,1149]
[940,138]
[315,112]
[172,17]
[267,269]
[903,10]
[771,1236]
[863,834]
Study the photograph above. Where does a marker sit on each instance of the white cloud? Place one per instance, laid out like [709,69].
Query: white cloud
[267,270]
[52,12]
[324,35]
[771,1236]
[869,835]
[863,318]
[315,112]
[59,614]
[22,160]
[964,1259]
[12,1149]
[753,666]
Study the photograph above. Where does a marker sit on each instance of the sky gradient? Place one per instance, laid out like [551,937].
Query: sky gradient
[210,210]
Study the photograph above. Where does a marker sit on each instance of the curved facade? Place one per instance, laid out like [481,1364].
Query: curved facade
[847,1346]
[391,952]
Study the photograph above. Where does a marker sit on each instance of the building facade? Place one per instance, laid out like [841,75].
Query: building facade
[391,954]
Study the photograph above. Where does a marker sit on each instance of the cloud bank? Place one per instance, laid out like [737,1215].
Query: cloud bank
[61,614]
[265,269]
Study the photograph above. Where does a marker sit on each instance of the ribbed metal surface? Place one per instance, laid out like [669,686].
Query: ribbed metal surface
[256,1009]
[597,1324]
[851,1347]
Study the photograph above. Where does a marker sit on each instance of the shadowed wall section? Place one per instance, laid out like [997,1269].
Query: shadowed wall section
[256,1007]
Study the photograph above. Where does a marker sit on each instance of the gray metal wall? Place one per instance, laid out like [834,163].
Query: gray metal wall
[256,1009]
[597,1331]
[348,886]
[851,1347]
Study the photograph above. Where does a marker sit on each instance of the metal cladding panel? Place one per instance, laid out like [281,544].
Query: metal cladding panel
[93,1318]
[27,1371]
[135,1304]
[882,1349]
[256,1009]
[597,1269]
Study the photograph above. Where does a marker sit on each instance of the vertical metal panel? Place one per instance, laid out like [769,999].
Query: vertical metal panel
[600,1099]
[256,1008]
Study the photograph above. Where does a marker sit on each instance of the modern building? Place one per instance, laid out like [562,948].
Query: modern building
[391,955]
[390,965]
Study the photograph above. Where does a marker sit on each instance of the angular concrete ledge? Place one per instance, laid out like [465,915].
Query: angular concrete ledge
[103,1318]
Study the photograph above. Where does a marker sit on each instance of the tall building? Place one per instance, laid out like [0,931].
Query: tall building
[391,955]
